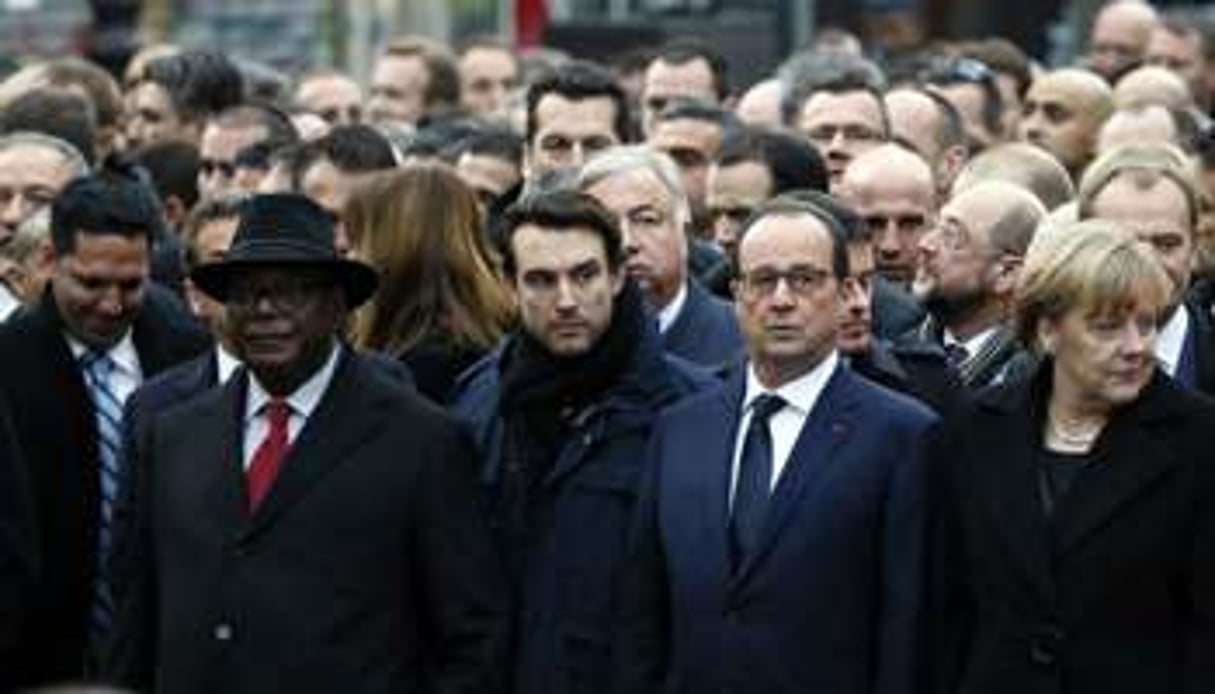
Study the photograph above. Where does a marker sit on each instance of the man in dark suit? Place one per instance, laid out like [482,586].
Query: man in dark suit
[643,190]
[98,310]
[207,233]
[779,543]
[17,549]
[1147,191]
[967,274]
[311,526]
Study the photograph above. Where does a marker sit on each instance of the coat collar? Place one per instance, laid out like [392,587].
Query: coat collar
[348,414]
[1120,471]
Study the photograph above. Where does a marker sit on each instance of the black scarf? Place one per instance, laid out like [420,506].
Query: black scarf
[542,395]
[534,378]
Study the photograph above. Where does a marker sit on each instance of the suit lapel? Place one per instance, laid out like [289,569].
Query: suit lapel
[225,421]
[1009,472]
[344,418]
[1121,471]
[816,451]
[709,466]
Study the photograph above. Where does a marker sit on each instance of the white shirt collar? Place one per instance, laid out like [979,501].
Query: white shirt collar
[668,313]
[304,399]
[1170,341]
[226,364]
[974,344]
[801,393]
[123,353]
[8,302]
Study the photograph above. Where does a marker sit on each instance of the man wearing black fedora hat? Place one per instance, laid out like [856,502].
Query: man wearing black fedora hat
[311,526]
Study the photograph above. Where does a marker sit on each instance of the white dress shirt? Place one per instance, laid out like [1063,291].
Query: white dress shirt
[670,312]
[800,396]
[126,375]
[9,302]
[973,345]
[226,364]
[1171,340]
[302,402]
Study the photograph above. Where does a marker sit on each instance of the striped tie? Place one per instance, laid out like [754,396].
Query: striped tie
[97,369]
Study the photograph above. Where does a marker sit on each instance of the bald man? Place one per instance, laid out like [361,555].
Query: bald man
[760,105]
[892,189]
[1152,85]
[933,127]
[1119,37]
[1064,111]
[1024,165]
[1145,124]
[967,274]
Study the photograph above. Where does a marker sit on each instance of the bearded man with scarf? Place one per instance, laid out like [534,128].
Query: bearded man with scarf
[562,411]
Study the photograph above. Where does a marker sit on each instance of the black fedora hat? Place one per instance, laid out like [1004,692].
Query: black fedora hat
[285,229]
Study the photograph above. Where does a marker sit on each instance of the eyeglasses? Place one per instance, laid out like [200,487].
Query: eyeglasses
[800,281]
[959,70]
[824,134]
[283,294]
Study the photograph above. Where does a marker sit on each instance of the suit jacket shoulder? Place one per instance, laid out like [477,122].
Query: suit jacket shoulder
[165,333]
[705,331]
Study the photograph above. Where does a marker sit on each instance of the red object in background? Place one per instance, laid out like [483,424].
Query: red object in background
[531,17]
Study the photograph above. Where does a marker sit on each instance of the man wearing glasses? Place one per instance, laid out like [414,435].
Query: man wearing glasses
[779,549]
[310,526]
[843,118]
[968,267]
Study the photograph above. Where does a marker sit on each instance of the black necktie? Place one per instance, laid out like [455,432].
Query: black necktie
[754,485]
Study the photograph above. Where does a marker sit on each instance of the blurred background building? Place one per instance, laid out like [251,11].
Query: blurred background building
[294,34]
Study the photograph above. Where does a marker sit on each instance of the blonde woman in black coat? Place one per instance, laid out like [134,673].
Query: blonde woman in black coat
[1079,511]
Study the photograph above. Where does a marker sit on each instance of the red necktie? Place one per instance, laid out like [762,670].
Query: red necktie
[264,467]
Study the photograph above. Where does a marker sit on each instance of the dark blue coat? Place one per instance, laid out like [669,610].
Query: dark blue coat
[829,601]
[706,331]
[572,560]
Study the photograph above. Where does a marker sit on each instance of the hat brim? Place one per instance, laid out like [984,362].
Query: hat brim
[358,281]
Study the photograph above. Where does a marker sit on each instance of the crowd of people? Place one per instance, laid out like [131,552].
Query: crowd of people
[524,373]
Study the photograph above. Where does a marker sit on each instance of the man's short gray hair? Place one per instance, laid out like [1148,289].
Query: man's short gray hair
[627,158]
[70,155]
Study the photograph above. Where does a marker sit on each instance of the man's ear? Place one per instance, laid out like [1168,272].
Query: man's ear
[175,211]
[1007,268]
[525,167]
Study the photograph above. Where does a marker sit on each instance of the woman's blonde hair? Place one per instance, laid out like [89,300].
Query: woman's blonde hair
[1094,266]
[421,229]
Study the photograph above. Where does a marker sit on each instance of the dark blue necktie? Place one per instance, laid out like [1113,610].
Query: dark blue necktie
[754,485]
[956,354]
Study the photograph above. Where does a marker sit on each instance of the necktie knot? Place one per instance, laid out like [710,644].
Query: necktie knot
[955,354]
[97,363]
[277,413]
[765,406]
